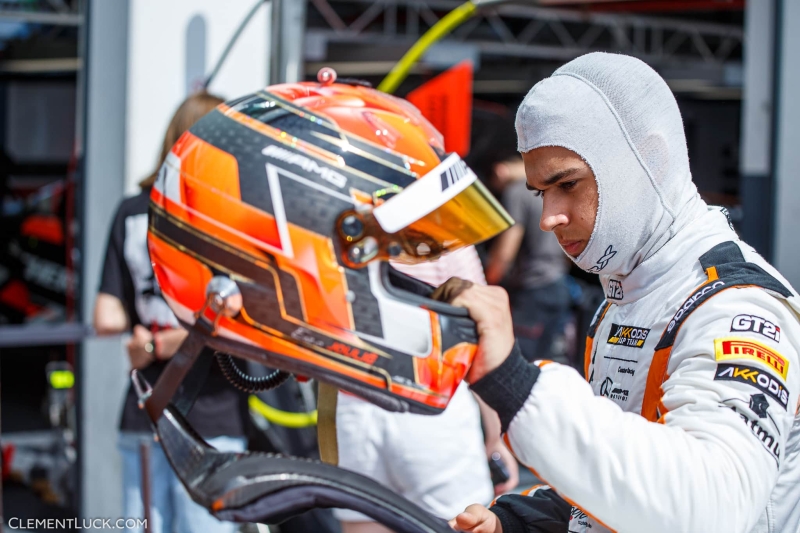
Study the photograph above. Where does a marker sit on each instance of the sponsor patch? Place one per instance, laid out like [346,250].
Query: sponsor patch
[759,405]
[756,324]
[601,263]
[754,377]
[623,370]
[576,514]
[735,348]
[614,290]
[691,301]
[630,336]
[767,439]
[613,391]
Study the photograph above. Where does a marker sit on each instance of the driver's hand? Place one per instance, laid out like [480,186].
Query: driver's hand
[477,519]
[489,308]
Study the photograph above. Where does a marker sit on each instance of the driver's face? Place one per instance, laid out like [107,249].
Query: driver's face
[569,190]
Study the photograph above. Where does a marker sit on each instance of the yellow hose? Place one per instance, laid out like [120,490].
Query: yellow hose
[282,418]
[447,24]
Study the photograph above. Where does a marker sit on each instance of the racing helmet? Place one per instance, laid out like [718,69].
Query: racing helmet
[273,221]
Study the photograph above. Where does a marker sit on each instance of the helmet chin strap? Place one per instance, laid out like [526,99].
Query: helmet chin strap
[326,423]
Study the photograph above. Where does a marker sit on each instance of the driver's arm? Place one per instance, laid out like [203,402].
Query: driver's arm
[709,465]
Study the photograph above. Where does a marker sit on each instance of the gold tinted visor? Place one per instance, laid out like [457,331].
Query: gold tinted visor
[445,210]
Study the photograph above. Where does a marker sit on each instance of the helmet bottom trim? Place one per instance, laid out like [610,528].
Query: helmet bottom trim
[384,399]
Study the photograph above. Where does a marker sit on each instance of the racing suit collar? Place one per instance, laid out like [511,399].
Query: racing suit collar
[675,255]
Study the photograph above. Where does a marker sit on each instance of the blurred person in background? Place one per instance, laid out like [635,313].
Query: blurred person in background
[129,300]
[525,260]
[437,462]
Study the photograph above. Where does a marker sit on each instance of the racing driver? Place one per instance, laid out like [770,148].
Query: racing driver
[687,418]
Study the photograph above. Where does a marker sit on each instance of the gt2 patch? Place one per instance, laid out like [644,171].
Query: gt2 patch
[627,336]
[733,348]
[614,290]
[756,324]
[755,378]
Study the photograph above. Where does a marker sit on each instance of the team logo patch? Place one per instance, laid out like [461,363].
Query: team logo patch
[614,290]
[736,348]
[755,378]
[758,325]
[630,336]
[613,391]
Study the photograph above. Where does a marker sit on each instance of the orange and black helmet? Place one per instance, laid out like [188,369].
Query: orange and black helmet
[273,220]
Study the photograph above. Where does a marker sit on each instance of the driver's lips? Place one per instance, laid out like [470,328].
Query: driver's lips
[572,247]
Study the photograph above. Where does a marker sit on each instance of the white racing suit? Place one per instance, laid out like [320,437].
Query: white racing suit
[688,422]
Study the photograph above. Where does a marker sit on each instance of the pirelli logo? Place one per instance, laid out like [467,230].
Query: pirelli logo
[740,349]
[627,336]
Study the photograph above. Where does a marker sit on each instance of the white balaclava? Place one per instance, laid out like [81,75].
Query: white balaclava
[619,115]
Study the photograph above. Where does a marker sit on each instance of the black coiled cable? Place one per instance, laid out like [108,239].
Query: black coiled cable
[245,382]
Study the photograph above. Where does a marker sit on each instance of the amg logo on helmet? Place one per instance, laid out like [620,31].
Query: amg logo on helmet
[627,336]
[454,173]
[307,164]
[733,348]
[755,378]
[758,325]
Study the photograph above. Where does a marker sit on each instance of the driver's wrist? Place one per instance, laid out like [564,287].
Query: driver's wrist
[506,388]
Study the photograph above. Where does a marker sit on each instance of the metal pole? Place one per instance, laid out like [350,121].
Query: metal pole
[786,254]
[288,28]
[757,183]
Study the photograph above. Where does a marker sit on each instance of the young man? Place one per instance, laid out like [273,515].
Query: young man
[688,420]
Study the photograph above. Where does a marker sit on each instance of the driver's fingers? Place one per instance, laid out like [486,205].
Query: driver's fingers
[474,519]
[450,289]
[464,522]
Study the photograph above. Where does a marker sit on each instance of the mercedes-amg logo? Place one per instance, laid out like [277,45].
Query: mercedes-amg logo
[606,387]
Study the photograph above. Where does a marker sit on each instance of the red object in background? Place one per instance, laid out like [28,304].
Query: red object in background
[16,295]
[446,101]
[8,457]
[45,227]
